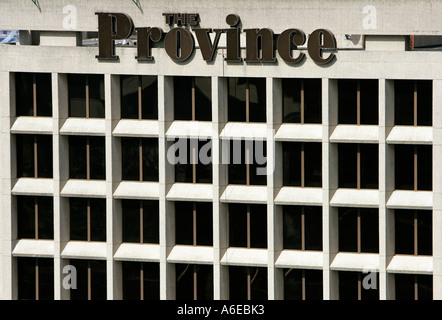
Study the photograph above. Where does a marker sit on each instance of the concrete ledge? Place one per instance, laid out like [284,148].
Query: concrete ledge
[191,254]
[355,261]
[33,248]
[299,132]
[33,125]
[190,129]
[84,188]
[403,199]
[190,192]
[33,187]
[248,131]
[354,134]
[137,190]
[82,126]
[138,252]
[410,134]
[84,249]
[411,264]
[138,128]
[355,198]
[245,257]
[244,194]
[300,196]
[300,259]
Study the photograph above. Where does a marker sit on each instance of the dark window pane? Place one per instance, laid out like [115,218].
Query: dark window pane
[404,167]
[257,91]
[237,99]
[81,292]
[347,101]
[348,230]
[369,166]
[150,97]
[45,218]
[203,98]
[404,231]
[291,164]
[131,220]
[204,282]
[348,285]
[77,157]
[258,283]
[425,287]
[313,285]
[425,232]
[77,95]
[292,284]
[404,286]
[185,276]
[237,166]
[26,278]
[258,226]
[44,156]
[98,219]
[25,217]
[184,223]
[204,224]
[131,280]
[238,283]
[98,163]
[46,279]
[369,230]
[204,165]
[424,103]
[151,280]
[369,101]
[258,157]
[292,227]
[347,165]
[403,102]
[44,94]
[98,280]
[25,155]
[151,222]
[313,164]
[130,155]
[24,94]
[184,281]
[78,219]
[96,95]
[291,101]
[184,154]
[182,87]
[237,225]
[424,168]
[150,159]
[312,101]
[313,228]
[129,97]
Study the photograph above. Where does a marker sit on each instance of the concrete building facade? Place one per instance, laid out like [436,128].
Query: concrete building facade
[76,164]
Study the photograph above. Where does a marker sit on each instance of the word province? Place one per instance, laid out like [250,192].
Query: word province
[179,42]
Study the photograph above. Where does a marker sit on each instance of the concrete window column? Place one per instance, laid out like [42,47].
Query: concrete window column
[329,186]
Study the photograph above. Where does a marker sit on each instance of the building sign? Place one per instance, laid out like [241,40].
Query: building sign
[179,42]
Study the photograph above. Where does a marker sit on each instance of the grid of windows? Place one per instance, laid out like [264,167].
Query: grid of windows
[278,216]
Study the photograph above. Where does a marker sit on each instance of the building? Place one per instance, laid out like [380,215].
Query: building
[349,206]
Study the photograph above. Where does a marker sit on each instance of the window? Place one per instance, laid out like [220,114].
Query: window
[35,278]
[139,159]
[302,227]
[35,216]
[302,164]
[87,158]
[413,167]
[247,162]
[302,100]
[413,287]
[87,219]
[33,94]
[193,221]
[34,156]
[86,95]
[192,98]
[413,102]
[91,280]
[141,280]
[141,221]
[358,286]
[413,232]
[139,97]
[359,230]
[194,161]
[358,101]
[247,99]
[300,284]
[194,282]
[248,225]
[247,283]
[358,166]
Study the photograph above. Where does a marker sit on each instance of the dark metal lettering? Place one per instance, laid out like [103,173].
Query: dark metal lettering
[254,47]
[208,49]
[144,38]
[319,40]
[179,44]
[289,40]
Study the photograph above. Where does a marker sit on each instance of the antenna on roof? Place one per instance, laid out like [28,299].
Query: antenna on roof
[37,4]
[138,3]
